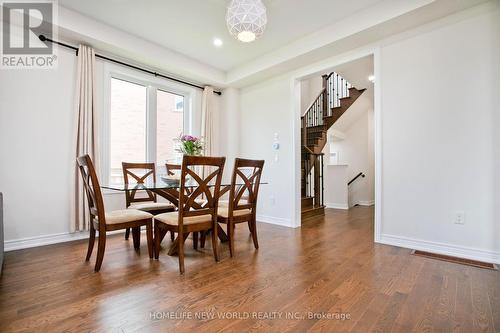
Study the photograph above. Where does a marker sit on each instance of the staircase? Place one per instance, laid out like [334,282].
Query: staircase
[332,101]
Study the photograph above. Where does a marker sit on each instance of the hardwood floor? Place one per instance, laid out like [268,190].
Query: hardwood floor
[328,266]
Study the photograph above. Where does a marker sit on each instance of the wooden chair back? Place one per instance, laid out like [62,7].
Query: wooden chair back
[171,167]
[92,189]
[149,170]
[245,184]
[200,186]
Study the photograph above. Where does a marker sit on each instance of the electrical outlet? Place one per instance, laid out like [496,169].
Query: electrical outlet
[459,217]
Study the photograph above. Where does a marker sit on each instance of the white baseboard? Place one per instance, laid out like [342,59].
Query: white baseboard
[442,248]
[336,206]
[365,203]
[275,220]
[28,242]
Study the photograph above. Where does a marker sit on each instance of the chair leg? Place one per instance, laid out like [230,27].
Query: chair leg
[157,241]
[172,236]
[215,239]
[195,240]
[127,233]
[230,236]
[254,233]
[91,242]
[180,238]
[136,236]
[149,237]
[100,250]
[203,238]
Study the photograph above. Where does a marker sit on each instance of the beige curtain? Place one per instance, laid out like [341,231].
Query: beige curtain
[207,121]
[85,130]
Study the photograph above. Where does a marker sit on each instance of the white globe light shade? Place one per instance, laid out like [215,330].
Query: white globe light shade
[246,19]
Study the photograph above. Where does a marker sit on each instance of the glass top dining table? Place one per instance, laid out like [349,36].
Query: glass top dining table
[170,191]
[167,190]
[162,185]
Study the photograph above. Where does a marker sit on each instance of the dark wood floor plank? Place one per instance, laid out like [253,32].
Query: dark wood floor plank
[330,265]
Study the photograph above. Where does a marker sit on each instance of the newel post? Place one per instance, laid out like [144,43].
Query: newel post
[325,96]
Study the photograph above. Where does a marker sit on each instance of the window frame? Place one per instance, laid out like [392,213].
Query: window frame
[152,85]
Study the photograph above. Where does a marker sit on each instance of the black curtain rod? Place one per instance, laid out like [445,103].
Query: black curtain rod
[43,38]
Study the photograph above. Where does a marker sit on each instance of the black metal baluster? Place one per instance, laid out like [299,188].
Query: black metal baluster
[331,91]
[314,114]
[342,87]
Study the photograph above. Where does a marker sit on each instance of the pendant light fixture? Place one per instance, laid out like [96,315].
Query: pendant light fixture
[246,19]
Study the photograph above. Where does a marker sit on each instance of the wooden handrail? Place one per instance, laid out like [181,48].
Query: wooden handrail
[329,75]
[309,151]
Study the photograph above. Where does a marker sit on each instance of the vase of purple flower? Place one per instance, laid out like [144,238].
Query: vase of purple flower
[190,145]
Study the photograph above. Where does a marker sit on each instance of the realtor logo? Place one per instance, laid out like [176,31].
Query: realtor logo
[22,24]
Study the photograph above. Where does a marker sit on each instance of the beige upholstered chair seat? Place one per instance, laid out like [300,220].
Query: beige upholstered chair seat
[223,204]
[172,218]
[224,212]
[126,215]
[147,206]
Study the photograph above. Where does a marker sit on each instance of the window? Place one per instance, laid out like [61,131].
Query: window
[144,120]
[169,125]
[179,103]
[128,126]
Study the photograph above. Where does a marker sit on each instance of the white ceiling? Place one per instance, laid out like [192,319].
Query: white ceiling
[189,26]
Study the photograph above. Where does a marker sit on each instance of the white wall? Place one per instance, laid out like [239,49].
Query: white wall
[438,136]
[356,151]
[229,138]
[265,110]
[335,183]
[440,144]
[309,90]
[36,122]
[36,135]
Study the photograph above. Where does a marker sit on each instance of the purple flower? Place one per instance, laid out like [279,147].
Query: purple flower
[189,138]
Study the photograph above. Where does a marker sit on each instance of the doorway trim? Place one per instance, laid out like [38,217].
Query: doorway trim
[317,68]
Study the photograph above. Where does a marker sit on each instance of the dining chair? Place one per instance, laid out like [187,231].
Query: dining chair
[171,168]
[141,173]
[193,216]
[242,203]
[103,221]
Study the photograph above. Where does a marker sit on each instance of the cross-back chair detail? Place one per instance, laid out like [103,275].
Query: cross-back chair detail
[193,216]
[116,220]
[146,203]
[130,195]
[171,167]
[250,183]
[92,188]
[199,193]
[243,195]
[250,187]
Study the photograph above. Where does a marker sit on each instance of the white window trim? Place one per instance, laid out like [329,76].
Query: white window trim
[192,99]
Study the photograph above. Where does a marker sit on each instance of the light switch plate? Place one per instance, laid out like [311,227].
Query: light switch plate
[459,217]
